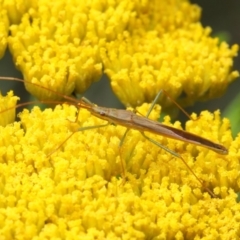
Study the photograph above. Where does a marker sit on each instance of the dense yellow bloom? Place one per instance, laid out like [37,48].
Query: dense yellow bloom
[57,43]
[7,108]
[52,188]
[16,8]
[3,31]
[78,192]
[170,51]
[142,46]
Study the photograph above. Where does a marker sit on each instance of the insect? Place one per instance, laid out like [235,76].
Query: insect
[131,120]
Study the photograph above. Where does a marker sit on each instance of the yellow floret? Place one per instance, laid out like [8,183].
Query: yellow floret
[61,180]
[7,108]
[17,8]
[143,47]
[166,47]
[46,60]
[57,43]
[187,63]
[51,188]
[4,24]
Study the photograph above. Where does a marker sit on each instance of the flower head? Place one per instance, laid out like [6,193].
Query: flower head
[76,188]
[57,43]
[7,108]
[3,31]
[142,47]
[64,176]
[187,63]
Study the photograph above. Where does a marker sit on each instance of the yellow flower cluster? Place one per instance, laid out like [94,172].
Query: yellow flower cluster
[74,189]
[7,108]
[142,46]
[16,9]
[177,55]
[4,24]
[57,43]
[61,180]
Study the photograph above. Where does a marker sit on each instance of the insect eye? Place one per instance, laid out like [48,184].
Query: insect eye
[102,113]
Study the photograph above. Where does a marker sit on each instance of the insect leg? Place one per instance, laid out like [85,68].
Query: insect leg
[80,129]
[179,156]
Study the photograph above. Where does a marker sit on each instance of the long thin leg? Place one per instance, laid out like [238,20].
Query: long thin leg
[154,103]
[80,129]
[179,156]
[147,115]
[167,149]
[127,130]
[156,99]
[85,100]
[163,147]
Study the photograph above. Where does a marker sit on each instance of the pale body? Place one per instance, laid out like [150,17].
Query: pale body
[131,120]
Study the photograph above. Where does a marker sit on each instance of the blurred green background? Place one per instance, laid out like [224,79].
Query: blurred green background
[224,19]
